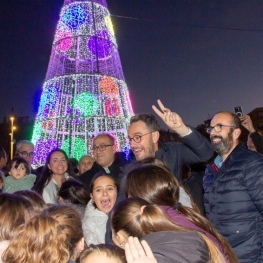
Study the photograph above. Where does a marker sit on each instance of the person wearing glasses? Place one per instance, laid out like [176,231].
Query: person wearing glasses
[143,135]
[25,149]
[233,186]
[107,160]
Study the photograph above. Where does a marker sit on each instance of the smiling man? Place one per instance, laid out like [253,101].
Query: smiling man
[144,140]
[106,158]
[233,186]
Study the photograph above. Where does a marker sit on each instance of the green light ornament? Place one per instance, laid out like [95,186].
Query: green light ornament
[86,104]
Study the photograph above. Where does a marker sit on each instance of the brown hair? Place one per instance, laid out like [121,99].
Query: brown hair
[162,164]
[74,192]
[158,186]
[12,214]
[41,240]
[36,200]
[129,217]
[111,251]
[71,222]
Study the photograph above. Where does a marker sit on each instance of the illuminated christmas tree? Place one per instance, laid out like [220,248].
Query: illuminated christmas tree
[84,92]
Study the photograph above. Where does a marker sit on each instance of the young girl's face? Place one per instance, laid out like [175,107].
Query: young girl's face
[104,193]
[19,172]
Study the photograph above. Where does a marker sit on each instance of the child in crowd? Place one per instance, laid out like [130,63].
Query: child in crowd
[103,191]
[20,178]
[103,253]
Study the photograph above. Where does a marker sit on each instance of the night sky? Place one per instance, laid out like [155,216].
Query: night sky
[197,56]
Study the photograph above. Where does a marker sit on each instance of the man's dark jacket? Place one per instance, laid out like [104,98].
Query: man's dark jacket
[234,202]
[119,161]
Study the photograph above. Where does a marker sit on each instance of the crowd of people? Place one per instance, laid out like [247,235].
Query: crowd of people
[110,208]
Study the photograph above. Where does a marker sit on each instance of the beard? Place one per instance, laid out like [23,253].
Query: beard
[224,145]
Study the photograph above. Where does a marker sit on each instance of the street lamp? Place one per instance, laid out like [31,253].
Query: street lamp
[12,137]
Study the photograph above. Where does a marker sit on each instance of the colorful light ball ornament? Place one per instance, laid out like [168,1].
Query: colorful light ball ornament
[108,86]
[65,42]
[86,104]
[78,146]
[74,17]
[100,44]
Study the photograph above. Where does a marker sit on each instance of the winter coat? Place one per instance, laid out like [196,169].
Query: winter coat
[94,225]
[174,247]
[234,202]
[119,161]
[195,149]
[181,220]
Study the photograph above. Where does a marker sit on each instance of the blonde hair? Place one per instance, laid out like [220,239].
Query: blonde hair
[111,251]
[41,240]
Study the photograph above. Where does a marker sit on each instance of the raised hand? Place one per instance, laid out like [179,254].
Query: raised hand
[247,123]
[137,252]
[171,119]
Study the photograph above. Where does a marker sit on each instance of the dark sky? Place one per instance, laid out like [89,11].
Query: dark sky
[177,50]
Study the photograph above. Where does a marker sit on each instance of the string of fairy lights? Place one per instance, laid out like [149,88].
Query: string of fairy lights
[84,93]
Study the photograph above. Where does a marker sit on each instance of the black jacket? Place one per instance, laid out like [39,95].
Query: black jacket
[234,202]
[174,247]
[195,149]
[258,141]
[119,161]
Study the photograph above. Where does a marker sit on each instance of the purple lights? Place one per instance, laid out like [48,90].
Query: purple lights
[100,44]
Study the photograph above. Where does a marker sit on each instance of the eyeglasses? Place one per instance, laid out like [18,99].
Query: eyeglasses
[26,154]
[138,138]
[218,127]
[102,148]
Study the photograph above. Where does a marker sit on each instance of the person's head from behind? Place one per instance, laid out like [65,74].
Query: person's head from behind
[43,239]
[3,158]
[105,253]
[36,200]
[153,183]
[85,163]
[72,191]
[224,130]
[143,134]
[136,217]
[14,210]
[25,149]
[104,148]
[70,220]
[103,191]
[18,167]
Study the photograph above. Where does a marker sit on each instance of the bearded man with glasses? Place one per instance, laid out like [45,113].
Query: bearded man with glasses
[233,185]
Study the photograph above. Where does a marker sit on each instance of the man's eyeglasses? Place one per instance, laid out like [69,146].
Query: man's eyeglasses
[138,138]
[26,154]
[218,127]
[102,148]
